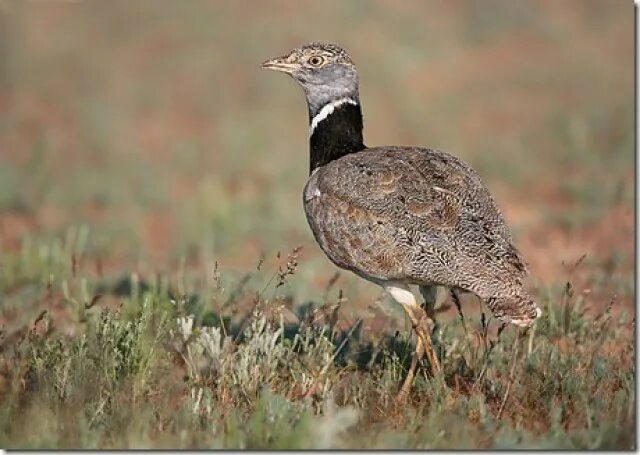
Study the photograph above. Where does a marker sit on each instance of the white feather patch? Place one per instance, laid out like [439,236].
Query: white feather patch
[327,110]
[401,294]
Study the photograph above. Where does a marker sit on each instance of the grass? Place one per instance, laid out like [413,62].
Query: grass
[169,366]
[159,286]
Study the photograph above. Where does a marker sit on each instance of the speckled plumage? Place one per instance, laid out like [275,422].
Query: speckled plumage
[418,216]
[399,215]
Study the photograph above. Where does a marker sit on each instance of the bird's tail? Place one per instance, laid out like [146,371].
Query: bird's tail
[520,309]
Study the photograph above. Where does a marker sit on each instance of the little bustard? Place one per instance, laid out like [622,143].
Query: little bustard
[398,216]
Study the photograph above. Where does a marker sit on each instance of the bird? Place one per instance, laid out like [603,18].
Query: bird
[399,216]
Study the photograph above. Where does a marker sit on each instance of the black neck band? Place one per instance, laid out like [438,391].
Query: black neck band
[339,134]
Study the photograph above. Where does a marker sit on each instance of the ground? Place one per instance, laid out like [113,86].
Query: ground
[159,286]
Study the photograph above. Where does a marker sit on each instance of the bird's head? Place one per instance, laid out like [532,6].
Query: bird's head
[324,71]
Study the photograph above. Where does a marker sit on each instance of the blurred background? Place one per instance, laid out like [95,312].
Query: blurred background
[148,130]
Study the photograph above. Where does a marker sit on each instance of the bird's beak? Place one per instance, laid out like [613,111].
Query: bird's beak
[279,64]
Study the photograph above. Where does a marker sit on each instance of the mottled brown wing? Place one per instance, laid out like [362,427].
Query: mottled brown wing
[412,214]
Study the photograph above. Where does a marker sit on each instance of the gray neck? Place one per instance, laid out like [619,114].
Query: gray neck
[317,101]
[339,84]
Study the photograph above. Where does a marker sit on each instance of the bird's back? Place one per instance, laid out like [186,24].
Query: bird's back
[413,214]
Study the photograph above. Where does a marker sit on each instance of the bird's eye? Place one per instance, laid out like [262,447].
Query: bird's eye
[316,60]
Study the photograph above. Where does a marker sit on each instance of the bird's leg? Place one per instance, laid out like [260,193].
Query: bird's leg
[408,380]
[430,296]
[422,325]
